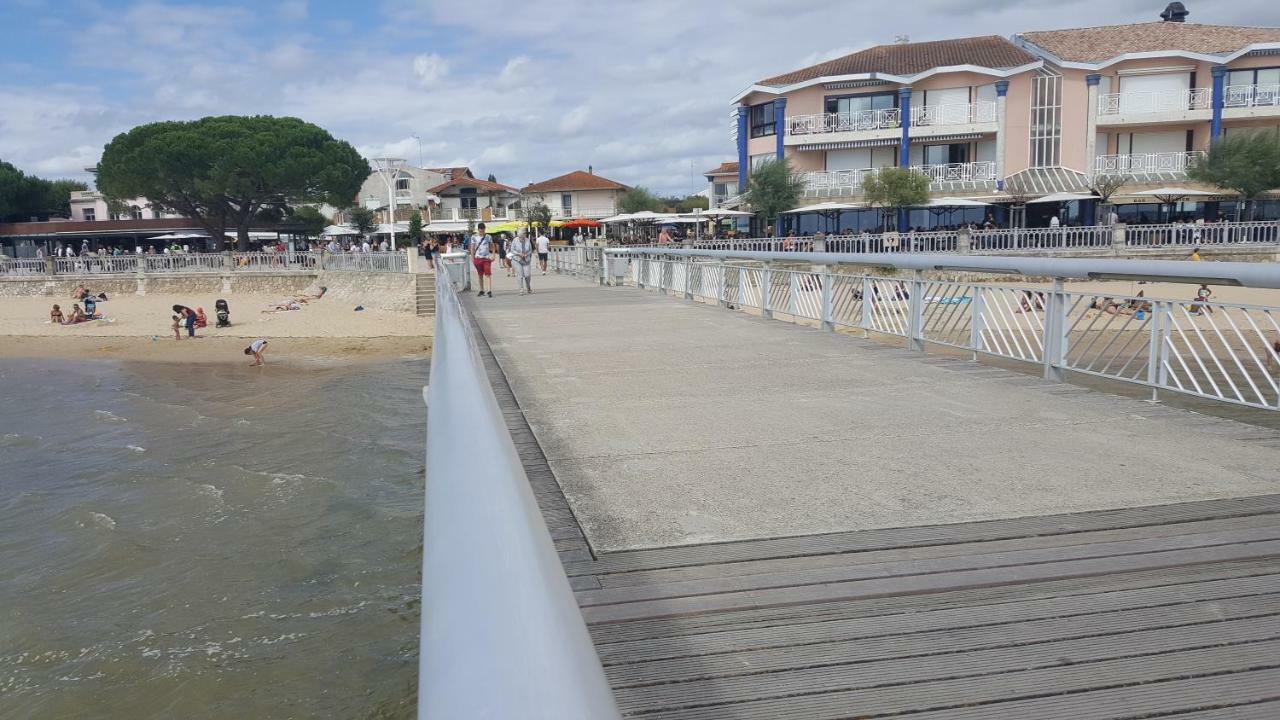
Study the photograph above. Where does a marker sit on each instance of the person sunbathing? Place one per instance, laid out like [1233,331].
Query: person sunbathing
[77,315]
[283,306]
[55,315]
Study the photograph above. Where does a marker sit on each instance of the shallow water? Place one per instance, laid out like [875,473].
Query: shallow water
[209,541]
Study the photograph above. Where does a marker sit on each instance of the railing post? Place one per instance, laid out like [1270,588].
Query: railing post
[722,289]
[688,278]
[915,305]
[1157,371]
[1055,329]
[977,321]
[868,304]
[643,271]
[766,290]
[964,241]
[827,313]
[1119,238]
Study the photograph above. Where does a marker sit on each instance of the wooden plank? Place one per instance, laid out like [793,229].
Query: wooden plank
[936,641]
[692,625]
[950,618]
[1221,697]
[887,587]
[1010,558]
[1029,684]
[903,671]
[930,535]
[752,567]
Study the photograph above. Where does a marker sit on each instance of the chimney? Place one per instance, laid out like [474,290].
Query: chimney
[590,170]
[901,39]
[1175,12]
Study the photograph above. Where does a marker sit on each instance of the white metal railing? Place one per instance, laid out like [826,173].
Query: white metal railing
[501,633]
[200,263]
[366,262]
[1251,95]
[1154,101]
[844,122]
[958,172]
[954,113]
[1146,163]
[22,266]
[830,183]
[1003,240]
[1220,351]
[1193,234]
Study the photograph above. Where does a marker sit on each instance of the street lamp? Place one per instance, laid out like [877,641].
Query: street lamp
[415,137]
[389,170]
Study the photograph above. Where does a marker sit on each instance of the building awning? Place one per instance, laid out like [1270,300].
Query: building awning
[886,142]
[954,137]
[1045,181]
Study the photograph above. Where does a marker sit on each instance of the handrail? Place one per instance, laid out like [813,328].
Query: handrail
[1259,275]
[502,636]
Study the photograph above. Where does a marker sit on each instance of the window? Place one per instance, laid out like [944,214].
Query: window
[89,215]
[762,158]
[762,120]
[857,103]
[402,184]
[467,202]
[1254,76]
[946,154]
[721,189]
[1046,120]
[135,212]
[566,203]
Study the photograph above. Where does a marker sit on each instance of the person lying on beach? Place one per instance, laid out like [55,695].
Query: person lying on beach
[77,315]
[256,349]
[283,306]
[55,315]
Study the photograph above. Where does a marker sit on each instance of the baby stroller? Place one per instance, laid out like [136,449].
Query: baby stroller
[224,313]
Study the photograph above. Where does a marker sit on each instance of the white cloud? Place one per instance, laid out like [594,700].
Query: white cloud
[430,68]
[638,90]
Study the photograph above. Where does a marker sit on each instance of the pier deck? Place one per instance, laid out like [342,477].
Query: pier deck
[1142,602]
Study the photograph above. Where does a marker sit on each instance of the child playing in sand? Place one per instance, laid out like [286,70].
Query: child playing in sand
[256,349]
[177,323]
[55,315]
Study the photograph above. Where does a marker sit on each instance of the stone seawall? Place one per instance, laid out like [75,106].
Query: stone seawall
[392,292]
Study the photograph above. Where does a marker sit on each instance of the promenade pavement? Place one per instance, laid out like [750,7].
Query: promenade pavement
[670,423]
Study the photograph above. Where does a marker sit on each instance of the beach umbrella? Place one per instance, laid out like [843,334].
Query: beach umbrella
[338,230]
[617,218]
[1062,197]
[1172,195]
[180,236]
[954,202]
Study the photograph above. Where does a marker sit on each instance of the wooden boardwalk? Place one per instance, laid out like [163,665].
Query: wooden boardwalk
[1166,611]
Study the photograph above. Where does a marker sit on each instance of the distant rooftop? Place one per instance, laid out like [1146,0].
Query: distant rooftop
[576,180]
[725,168]
[991,51]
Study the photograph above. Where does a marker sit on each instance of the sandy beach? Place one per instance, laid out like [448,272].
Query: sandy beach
[140,328]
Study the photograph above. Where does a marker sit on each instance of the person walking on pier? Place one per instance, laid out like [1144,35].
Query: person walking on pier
[482,257]
[522,256]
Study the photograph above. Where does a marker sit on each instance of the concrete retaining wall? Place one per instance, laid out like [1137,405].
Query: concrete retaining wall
[391,292]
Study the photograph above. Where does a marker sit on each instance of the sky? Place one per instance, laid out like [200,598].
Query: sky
[525,89]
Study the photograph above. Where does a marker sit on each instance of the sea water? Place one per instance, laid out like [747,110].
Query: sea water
[209,541]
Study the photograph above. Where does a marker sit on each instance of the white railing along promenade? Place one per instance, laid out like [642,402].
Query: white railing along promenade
[1154,101]
[200,263]
[1219,351]
[501,633]
[1251,96]
[1166,163]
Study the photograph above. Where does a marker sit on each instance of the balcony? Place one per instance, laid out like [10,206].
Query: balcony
[977,113]
[860,121]
[1148,167]
[1250,101]
[951,176]
[1155,106]
[926,120]
[494,213]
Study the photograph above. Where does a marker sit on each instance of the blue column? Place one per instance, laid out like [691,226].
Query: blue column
[780,124]
[904,148]
[743,160]
[1219,81]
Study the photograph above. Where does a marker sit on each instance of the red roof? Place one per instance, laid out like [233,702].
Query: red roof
[453,172]
[1096,44]
[725,168]
[576,180]
[472,182]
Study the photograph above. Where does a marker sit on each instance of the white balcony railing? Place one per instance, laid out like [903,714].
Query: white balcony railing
[1166,163]
[1154,101]
[843,122]
[1251,95]
[494,213]
[848,182]
[954,114]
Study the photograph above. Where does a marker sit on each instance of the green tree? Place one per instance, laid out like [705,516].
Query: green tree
[772,189]
[25,196]
[220,171]
[538,215]
[895,188]
[362,219]
[309,220]
[1246,163]
[636,200]
[492,179]
[415,228]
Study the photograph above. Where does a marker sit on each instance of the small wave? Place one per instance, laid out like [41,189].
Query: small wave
[136,449]
[348,610]
[108,416]
[103,520]
[212,491]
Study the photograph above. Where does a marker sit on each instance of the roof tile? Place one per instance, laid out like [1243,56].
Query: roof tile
[989,51]
[1096,44]
[576,180]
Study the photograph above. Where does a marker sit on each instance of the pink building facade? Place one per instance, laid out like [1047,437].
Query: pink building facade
[1041,113]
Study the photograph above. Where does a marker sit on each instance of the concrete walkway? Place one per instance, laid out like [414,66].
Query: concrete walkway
[671,423]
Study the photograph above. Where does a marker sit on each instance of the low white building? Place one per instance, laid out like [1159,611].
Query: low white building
[91,206]
[411,190]
[578,194]
[722,186]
